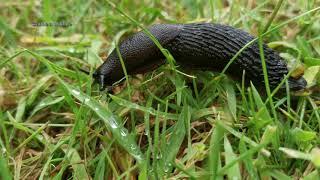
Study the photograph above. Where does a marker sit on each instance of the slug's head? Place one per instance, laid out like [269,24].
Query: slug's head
[101,79]
[107,74]
[297,84]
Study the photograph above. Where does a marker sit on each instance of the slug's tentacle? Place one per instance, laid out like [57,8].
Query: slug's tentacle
[203,45]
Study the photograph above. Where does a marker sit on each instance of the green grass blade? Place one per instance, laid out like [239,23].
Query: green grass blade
[214,156]
[234,171]
[5,171]
[177,136]
[111,121]
[79,170]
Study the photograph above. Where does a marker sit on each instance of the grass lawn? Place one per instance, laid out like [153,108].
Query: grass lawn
[165,124]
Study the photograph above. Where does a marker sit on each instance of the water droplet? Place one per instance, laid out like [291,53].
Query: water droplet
[133,147]
[86,100]
[159,156]
[169,165]
[42,104]
[76,92]
[151,171]
[146,132]
[166,169]
[123,133]
[139,157]
[96,109]
[113,123]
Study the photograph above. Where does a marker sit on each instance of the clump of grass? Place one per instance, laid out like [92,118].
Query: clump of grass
[160,125]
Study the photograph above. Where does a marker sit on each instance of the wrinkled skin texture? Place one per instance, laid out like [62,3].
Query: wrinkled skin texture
[200,46]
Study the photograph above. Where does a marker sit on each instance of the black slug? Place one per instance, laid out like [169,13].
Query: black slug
[202,46]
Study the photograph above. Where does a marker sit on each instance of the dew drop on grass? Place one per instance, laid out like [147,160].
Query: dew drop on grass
[167,167]
[113,123]
[123,133]
[133,147]
[76,92]
[42,104]
[138,157]
[86,100]
[151,170]
[146,132]
[72,50]
[159,156]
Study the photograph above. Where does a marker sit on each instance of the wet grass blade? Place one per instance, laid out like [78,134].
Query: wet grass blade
[176,138]
[150,110]
[111,120]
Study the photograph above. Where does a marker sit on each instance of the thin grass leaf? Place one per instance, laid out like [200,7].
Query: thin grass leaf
[3,63]
[5,171]
[261,117]
[231,99]
[157,154]
[234,171]
[241,136]
[149,110]
[310,61]
[144,173]
[33,135]
[100,168]
[177,136]
[248,162]
[214,156]
[21,127]
[45,168]
[241,157]
[304,47]
[266,76]
[112,121]
[21,109]
[79,170]
[35,92]
[269,135]
[312,176]
[277,175]
[273,15]
[46,102]
[55,68]
[295,154]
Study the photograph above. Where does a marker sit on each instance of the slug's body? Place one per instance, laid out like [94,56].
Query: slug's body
[203,46]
